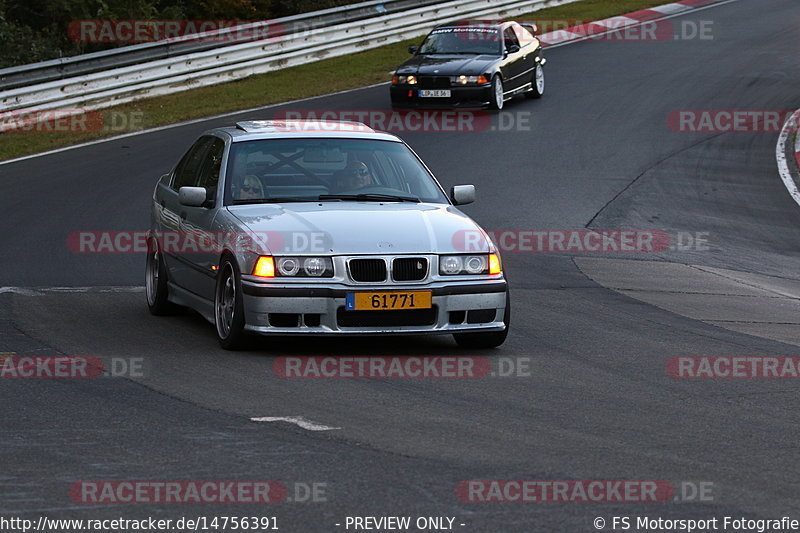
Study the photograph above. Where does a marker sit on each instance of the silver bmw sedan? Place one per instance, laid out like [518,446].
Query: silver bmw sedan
[320,228]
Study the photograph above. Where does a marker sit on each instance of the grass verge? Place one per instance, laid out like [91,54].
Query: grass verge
[313,79]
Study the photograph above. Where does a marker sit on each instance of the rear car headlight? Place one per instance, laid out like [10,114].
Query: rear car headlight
[467,80]
[454,265]
[403,80]
[305,267]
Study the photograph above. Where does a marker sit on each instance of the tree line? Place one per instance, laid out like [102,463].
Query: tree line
[38,30]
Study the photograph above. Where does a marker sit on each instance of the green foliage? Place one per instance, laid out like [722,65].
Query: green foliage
[36,30]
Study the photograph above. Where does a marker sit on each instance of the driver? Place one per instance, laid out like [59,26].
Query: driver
[355,175]
[250,188]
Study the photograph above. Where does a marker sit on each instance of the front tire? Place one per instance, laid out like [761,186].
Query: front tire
[537,83]
[498,98]
[156,288]
[229,306]
[491,339]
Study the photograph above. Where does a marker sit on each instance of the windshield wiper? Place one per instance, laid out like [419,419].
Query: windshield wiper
[370,197]
[273,200]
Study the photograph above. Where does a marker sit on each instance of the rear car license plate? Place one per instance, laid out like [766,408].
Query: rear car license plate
[434,93]
[381,301]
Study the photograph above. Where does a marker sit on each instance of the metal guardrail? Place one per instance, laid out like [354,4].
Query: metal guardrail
[56,69]
[171,75]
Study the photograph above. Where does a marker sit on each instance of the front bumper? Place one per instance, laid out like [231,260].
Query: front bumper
[308,309]
[408,96]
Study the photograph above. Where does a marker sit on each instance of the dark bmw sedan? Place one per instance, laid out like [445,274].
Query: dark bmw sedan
[471,63]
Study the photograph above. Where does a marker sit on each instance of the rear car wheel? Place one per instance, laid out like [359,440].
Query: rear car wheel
[491,339]
[156,282]
[537,83]
[497,93]
[228,306]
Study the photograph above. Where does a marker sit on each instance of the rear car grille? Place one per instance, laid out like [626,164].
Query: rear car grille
[434,82]
[393,318]
[409,268]
[367,270]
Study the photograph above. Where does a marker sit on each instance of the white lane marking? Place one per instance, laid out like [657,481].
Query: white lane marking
[185,123]
[559,36]
[32,291]
[616,22]
[683,13]
[346,91]
[668,9]
[780,155]
[797,141]
[298,420]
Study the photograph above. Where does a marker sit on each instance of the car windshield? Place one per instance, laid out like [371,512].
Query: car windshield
[463,40]
[308,169]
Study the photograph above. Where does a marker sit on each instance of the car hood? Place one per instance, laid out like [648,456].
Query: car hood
[447,65]
[361,228]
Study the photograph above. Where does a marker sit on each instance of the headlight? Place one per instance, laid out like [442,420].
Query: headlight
[453,265]
[402,80]
[288,266]
[305,267]
[467,80]
[315,266]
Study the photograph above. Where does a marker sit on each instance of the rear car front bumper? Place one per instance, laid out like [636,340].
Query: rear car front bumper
[408,96]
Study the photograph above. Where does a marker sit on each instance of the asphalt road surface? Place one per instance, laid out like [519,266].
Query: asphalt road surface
[589,398]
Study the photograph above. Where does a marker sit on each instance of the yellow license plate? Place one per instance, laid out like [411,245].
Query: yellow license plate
[380,301]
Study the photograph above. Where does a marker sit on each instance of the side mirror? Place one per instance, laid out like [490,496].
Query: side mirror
[192,196]
[462,194]
[512,49]
[413,49]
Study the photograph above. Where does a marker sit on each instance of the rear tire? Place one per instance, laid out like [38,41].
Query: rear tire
[156,288]
[491,339]
[229,306]
[537,83]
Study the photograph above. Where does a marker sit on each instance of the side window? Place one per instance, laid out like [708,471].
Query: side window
[188,170]
[509,38]
[212,163]
[523,35]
